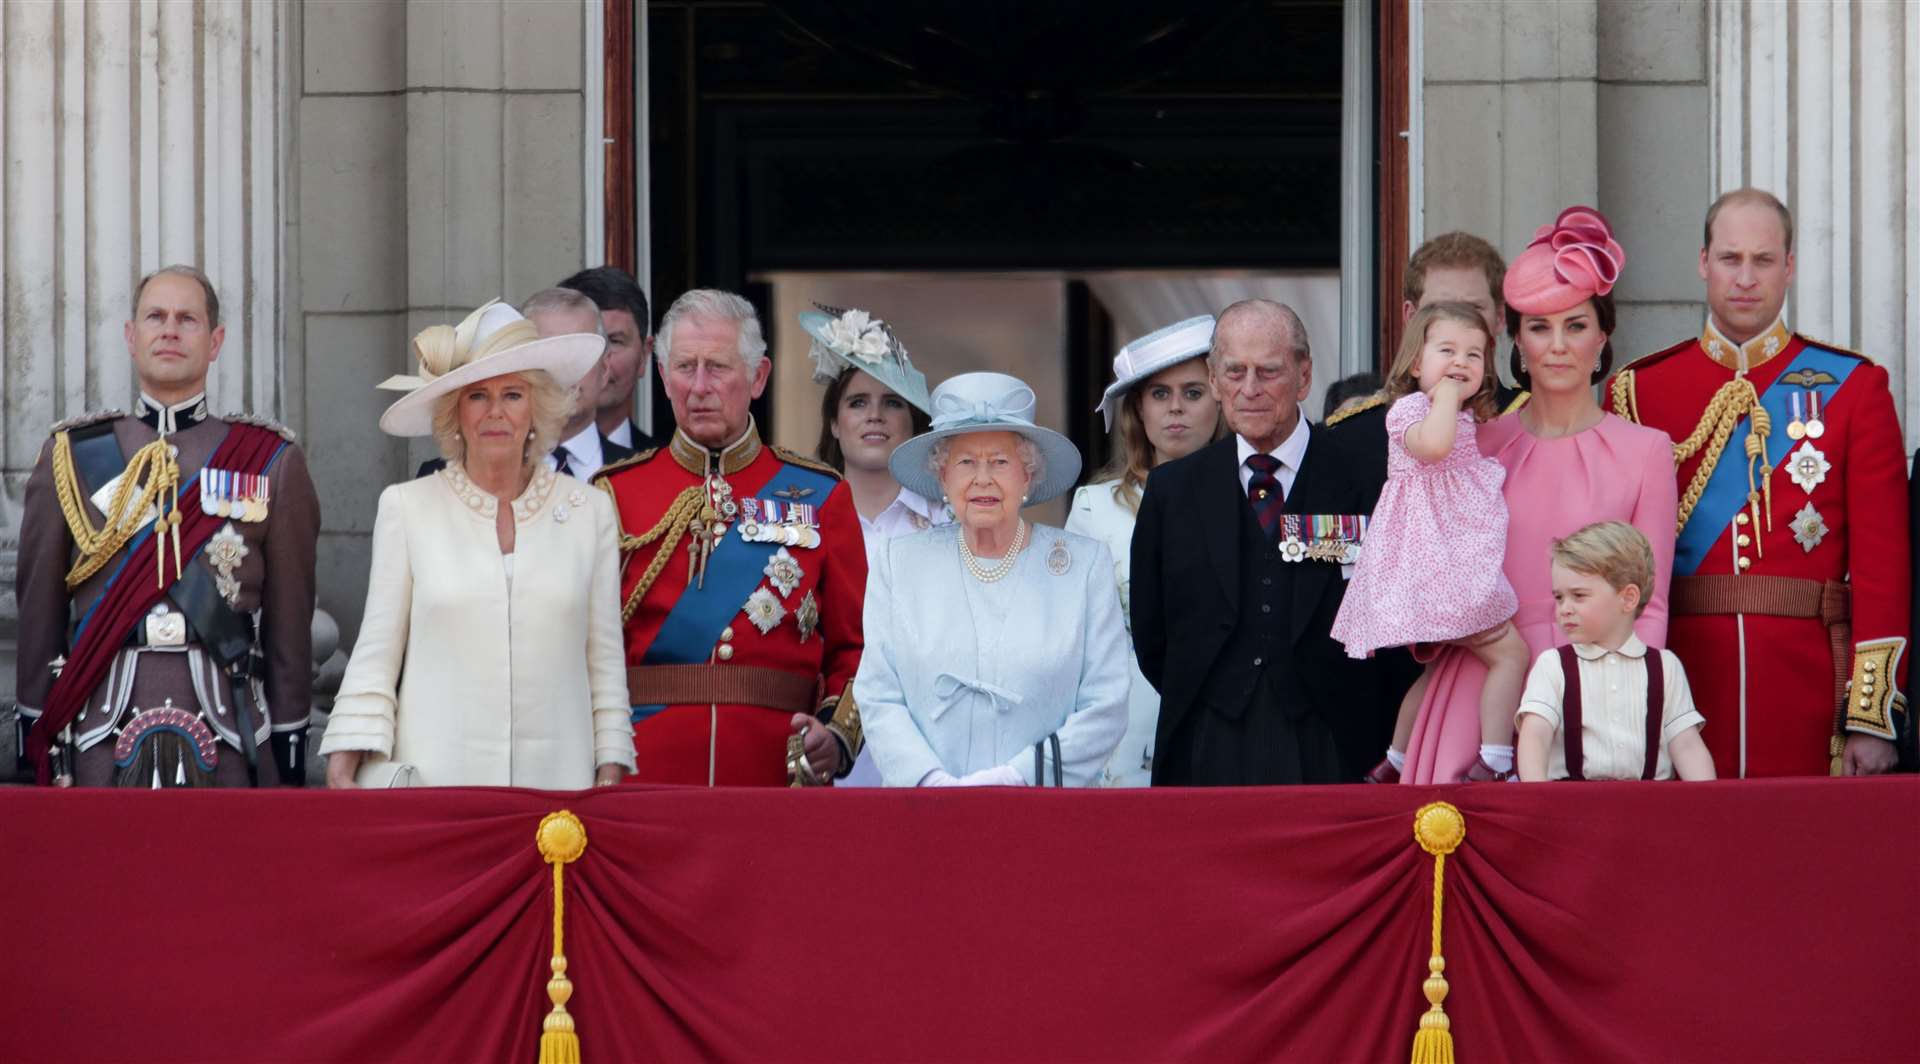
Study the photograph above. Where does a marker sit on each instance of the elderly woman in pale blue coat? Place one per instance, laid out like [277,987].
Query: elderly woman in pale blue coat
[996,654]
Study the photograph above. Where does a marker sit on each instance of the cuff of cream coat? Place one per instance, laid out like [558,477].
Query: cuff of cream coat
[613,746]
[359,724]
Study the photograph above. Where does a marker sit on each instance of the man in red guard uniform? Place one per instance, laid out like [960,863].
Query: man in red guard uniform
[742,576]
[1791,572]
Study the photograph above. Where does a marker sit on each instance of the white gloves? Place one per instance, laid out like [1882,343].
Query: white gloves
[997,776]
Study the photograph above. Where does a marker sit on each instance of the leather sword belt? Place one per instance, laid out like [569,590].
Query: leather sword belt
[743,685]
[1830,602]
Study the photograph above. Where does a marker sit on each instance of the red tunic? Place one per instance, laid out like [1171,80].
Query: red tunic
[732,744]
[1766,683]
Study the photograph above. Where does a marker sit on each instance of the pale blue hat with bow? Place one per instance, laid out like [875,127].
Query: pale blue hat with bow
[986,402]
[854,339]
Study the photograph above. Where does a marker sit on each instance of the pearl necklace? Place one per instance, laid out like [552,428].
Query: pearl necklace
[999,570]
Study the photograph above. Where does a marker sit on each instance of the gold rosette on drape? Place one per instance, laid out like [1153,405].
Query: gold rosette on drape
[561,840]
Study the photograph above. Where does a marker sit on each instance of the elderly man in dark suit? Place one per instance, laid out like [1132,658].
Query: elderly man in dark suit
[1240,560]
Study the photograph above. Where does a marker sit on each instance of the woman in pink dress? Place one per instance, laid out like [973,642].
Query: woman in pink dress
[1430,572]
[1569,464]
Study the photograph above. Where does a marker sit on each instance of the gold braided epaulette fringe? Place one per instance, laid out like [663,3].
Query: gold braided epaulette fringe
[83,420]
[1835,348]
[796,458]
[258,421]
[1626,402]
[1371,402]
[845,720]
[633,459]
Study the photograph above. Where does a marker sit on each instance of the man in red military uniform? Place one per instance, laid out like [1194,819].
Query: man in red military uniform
[1789,603]
[743,576]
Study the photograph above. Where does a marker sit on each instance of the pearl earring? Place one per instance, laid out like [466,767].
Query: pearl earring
[1024,498]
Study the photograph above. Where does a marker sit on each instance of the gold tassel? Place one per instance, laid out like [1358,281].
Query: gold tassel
[1439,829]
[561,839]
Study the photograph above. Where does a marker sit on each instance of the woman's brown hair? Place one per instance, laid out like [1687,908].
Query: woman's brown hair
[1485,402]
[828,448]
[1603,312]
[1133,454]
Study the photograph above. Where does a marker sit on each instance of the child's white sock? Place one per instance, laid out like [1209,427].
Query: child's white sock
[1397,759]
[1498,758]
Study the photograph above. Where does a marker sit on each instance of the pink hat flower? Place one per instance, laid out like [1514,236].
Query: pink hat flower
[1568,263]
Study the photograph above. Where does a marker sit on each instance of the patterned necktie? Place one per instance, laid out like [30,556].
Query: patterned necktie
[560,461]
[1264,492]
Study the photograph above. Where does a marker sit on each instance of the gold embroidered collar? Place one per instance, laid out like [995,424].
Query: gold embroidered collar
[1748,356]
[702,461]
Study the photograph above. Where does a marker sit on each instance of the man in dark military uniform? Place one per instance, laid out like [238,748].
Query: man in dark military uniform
[743,576]
[166,576]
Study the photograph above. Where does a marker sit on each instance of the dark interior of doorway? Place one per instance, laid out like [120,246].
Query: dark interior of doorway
[991,135]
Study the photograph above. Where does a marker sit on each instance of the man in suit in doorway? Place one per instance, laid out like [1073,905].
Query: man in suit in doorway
[1240,560]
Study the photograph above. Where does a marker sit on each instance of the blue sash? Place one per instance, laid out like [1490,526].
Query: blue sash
[1726,490]
[734,569]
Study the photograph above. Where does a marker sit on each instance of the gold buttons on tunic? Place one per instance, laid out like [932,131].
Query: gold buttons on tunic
[1740,518]
[1744,540]
[1745,564]
[726,652]
[726,634]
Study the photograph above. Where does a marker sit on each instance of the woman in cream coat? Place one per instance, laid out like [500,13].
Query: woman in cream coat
[995,650]
[490,651]
[1161,401]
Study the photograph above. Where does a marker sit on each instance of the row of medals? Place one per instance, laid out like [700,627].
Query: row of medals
[1812,428]
[239,496]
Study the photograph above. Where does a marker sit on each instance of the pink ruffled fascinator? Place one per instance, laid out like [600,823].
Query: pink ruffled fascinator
[1568,262]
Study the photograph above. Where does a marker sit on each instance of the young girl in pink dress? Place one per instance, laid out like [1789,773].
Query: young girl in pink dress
[1430,571]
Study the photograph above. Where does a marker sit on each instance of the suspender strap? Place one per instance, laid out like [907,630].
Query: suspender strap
[1570,724]
[1656,709]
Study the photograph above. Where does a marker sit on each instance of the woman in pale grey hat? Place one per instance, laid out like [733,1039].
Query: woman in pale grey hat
[489,652]
[874,402]
[1164,408]
[996,654]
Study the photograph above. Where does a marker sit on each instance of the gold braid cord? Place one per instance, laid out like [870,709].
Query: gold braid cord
[1735,399]
[1439,829]
[561,839]
[673,527]
[154,464]
[1625,401]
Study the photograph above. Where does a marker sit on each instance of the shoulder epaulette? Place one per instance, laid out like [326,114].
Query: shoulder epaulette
[1647,360]
[1835,348]
[258,421]
[1377,399]
[633,459]
[796,458]
[83,420]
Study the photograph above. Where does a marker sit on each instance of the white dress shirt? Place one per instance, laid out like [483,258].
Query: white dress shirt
[622,434]
[1291,452]
[1613,709]
[584,456]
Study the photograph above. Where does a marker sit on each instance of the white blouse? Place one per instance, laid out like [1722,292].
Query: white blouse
[479,674]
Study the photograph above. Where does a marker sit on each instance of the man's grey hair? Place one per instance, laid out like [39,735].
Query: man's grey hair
[190,273]
[1284,324]
[711,304]
[1028,451]
[562,300]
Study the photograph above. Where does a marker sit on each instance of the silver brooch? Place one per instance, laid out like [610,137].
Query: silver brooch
[1809,528]
[783,572]
[225,551]
[1058,559]
[808,617]
[764,610]
[560,512]
[1808,467]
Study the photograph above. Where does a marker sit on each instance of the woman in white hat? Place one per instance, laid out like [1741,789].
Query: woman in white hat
[995,652]
[489,653]
[1165,409]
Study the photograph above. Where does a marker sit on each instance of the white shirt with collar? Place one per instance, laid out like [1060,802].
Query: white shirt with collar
[622,434]
[584,456]
[1613,709]
[1291,452]
[909,512]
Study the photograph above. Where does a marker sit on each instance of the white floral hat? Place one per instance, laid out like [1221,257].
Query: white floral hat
[1152,353]
[492,341]
[985,402]
[854,339]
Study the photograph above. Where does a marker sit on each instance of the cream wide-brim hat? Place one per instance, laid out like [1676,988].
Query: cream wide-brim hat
[986,402]
[1177,343]
[492,342]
